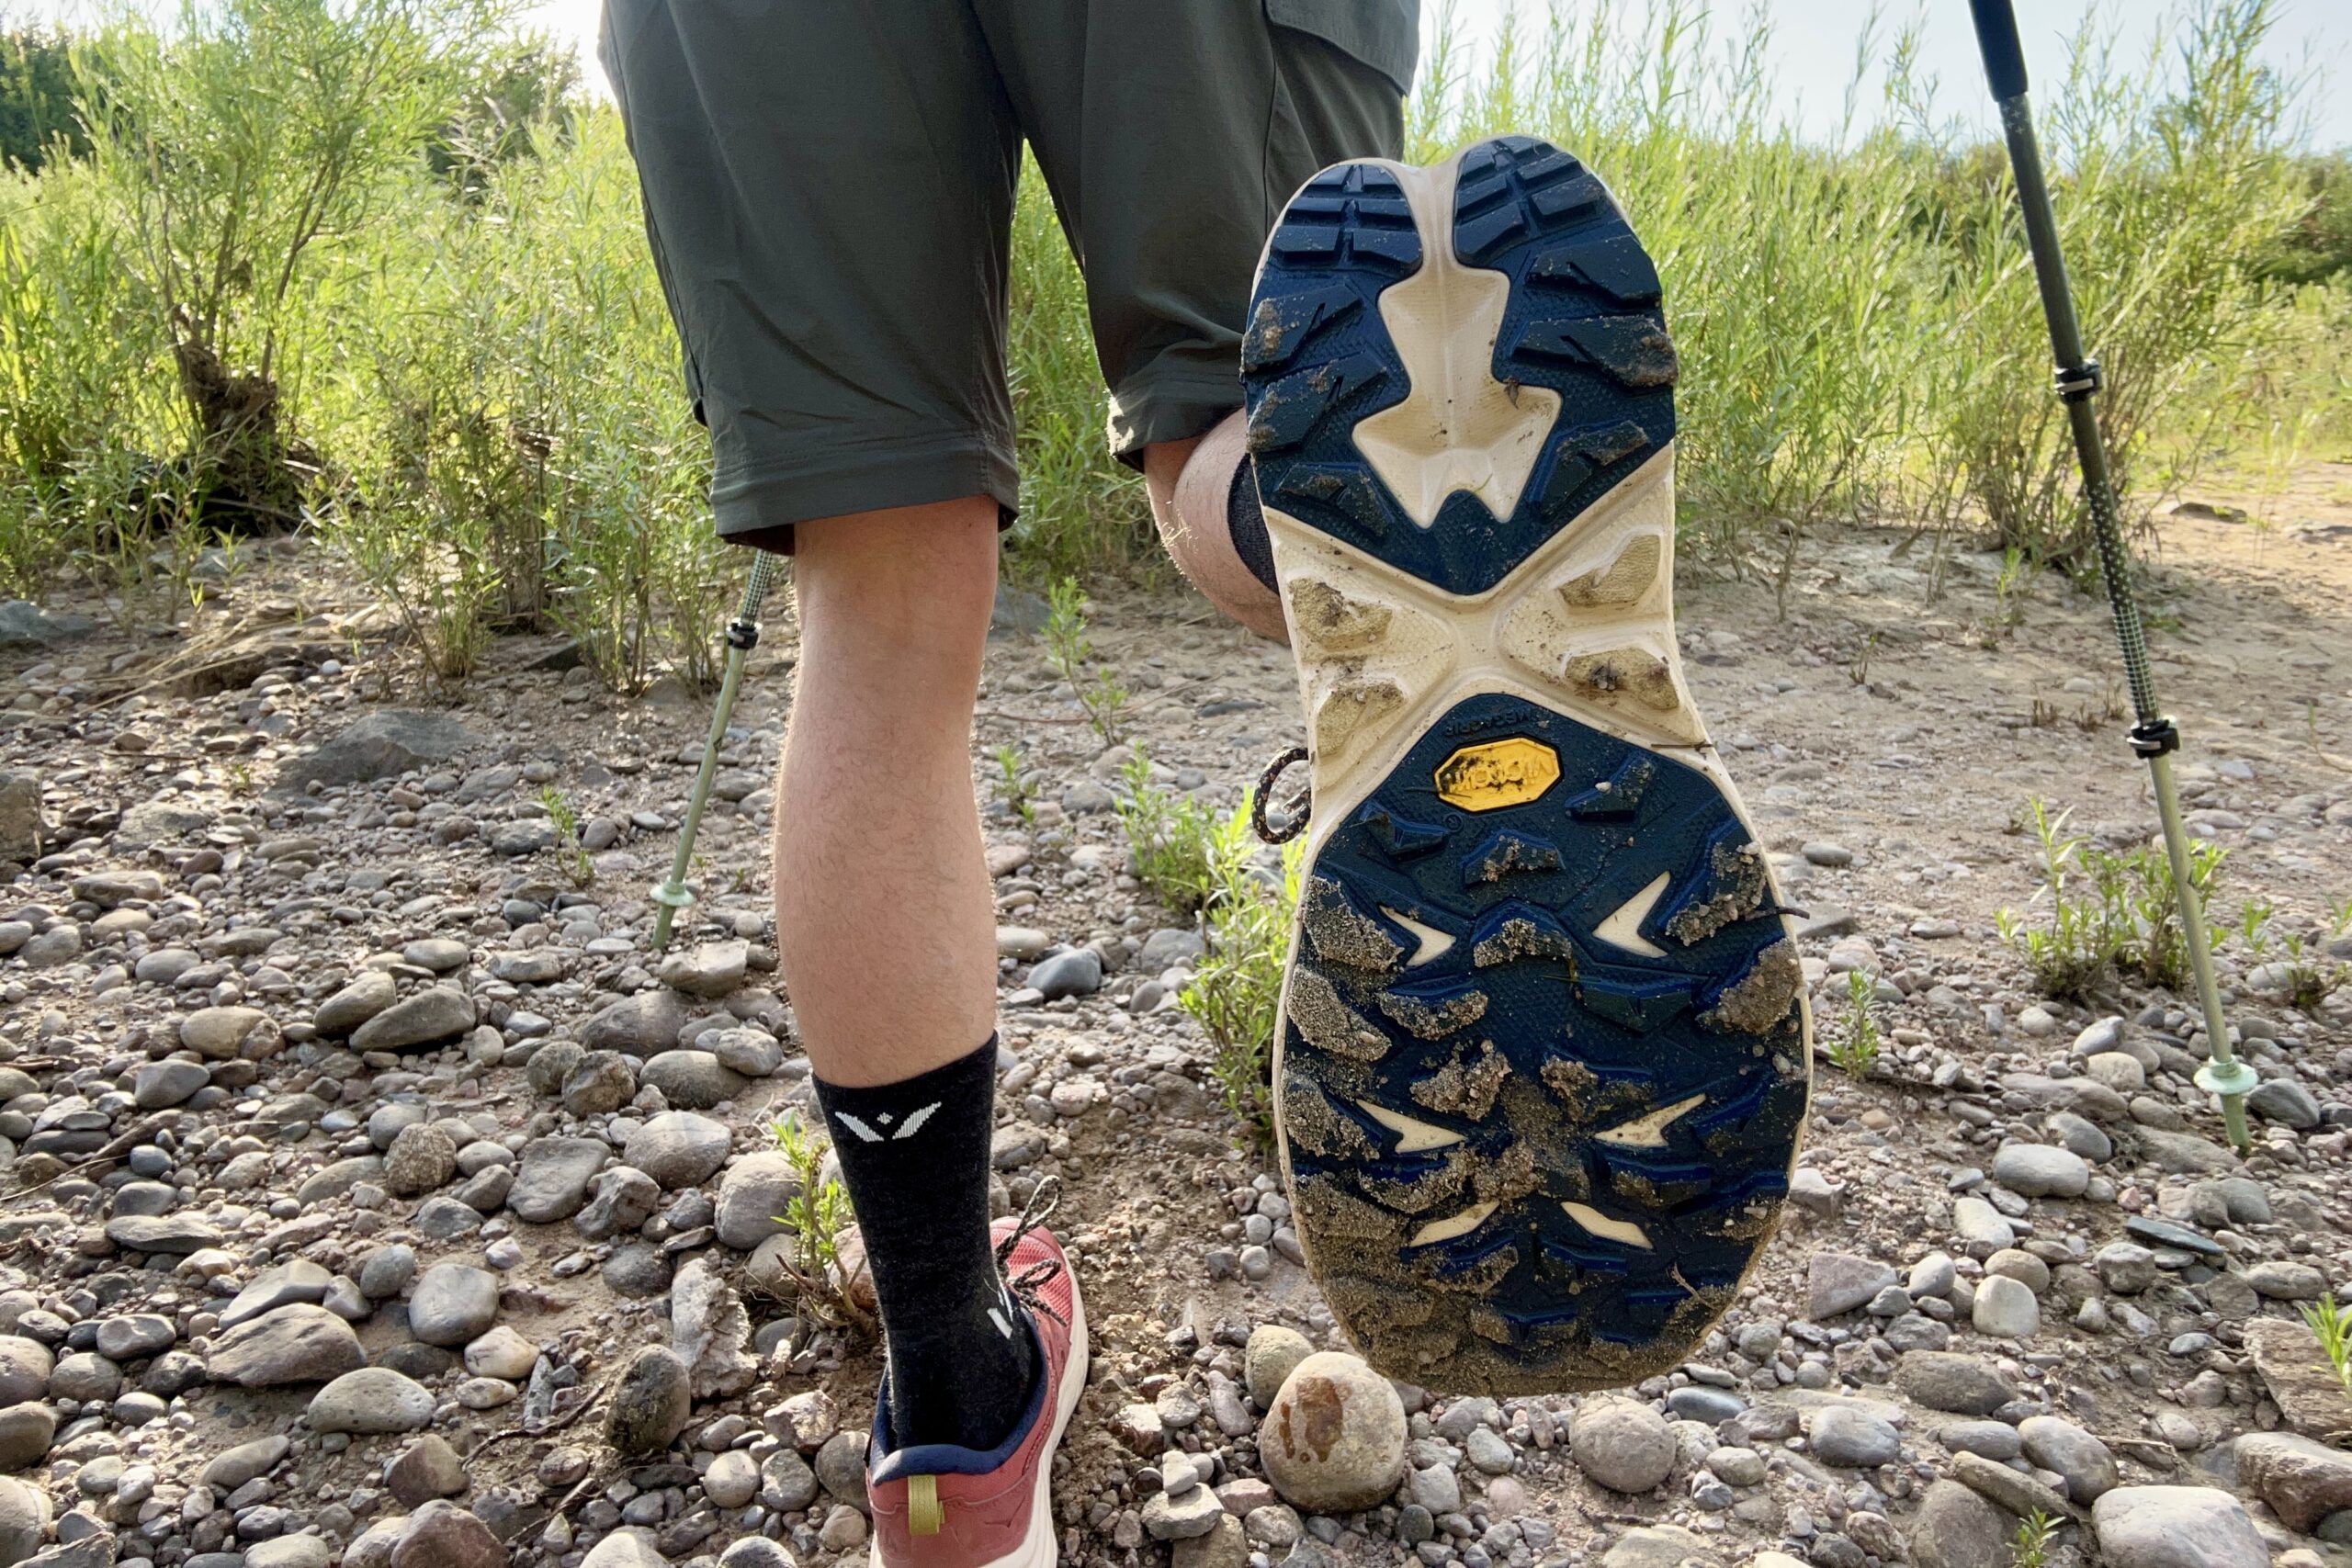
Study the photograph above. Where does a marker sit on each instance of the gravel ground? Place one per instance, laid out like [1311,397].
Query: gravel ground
[375,1195]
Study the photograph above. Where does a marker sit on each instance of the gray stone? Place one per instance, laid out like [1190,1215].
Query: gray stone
[1955,1528]
[381,745]
[598,1082]
[1842,1435]
[732,1480]
[25,1365]
[427,1018]
[134,1336]
[756,1551]
[300,1343]
[678,1148]
[1839,1282]
[422,1159]
[85,1377]
[2302,1481]
[1995,1440]
[1273,1353]
[651,1402]
[755,1053]
[2061,1446]
[2004,1309]
[1333,1440]
[370,1400]
[551,1180]
[638,1025]
[752,1198]
[1621,1445]
[1078,972]
[368,994]
[426,1468]
[2285,1101]
[23,832]
[711,970]
[1951,1381]
[1656,1546]
[1699,1403]
[442,1535]
[2281,1280]
[453,1305]
[787,1484]
[626,1549]
[27,1432]
[2124,1268]
[692,1080]
[2041,1170]
[233,1468]
[230,1034]
[332,1182]
[2175,1526]
[158,1085]
[709,1330]
[624,1200]
[24,1520]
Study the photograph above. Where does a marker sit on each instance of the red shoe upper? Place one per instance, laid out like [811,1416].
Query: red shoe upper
[938,1505]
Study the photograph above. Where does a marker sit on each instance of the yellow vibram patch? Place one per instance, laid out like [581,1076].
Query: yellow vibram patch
[1498,774]
[925,1516]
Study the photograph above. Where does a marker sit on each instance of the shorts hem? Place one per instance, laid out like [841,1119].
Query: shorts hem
[1150,410]
[763,507]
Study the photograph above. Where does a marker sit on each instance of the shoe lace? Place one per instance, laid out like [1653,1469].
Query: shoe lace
[1298,809]
[1025,1286]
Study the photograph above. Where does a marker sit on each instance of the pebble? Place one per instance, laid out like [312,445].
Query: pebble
[1333,1440]
[2004,1309]
[2175,1526]
[1622,1445]
[1956,1528]
[1844,1436]
[1838,1283]
[370,1400]
[651,1401]
[2041,1170]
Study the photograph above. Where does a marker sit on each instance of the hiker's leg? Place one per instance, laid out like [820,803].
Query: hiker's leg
[830,208]
[886,933]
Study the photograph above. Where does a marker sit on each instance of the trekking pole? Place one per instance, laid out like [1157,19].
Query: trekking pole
[742,636]
[2154,737]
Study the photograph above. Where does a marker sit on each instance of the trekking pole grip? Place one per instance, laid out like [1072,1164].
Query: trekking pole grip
[1996,38]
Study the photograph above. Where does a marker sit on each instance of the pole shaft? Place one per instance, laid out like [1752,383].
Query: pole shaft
[2078,383]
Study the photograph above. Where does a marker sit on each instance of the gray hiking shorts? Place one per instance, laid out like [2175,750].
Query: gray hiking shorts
[830,184]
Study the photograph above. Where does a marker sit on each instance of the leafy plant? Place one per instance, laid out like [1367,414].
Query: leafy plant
[1236,993]
[2301,971]
[1856,1049]
[1170,837]
[1070,649]
[566,819]
[2108,914]
[1012,785]
[2035,1534]
[818,1213]
[2331,1327]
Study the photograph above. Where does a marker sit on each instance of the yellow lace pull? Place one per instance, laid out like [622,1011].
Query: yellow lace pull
[925,1516]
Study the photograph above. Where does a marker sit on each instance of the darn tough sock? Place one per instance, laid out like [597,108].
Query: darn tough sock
[915,1158]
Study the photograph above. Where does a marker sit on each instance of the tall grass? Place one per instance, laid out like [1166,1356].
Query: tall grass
[344,262]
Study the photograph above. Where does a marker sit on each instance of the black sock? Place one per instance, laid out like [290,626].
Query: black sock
[915,1158]
[1248,521]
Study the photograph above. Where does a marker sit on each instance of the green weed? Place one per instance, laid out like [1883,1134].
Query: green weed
[1171,837]
[1236,993]
[816,1215]
[2300,969]
[2035,1534]
[1070,649]
[2331,1327]
[2109,915]
[560,811]
[1013,786]
[1856,1049]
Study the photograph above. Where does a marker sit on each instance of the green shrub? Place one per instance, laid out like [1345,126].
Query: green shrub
[1236,992]
[1171,837]
[2109,915]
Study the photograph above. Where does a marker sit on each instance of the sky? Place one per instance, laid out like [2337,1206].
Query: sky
[1814,47]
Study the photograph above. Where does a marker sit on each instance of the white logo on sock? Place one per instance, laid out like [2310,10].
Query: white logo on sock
[1003,1325]
[854,1125]
[917,1119]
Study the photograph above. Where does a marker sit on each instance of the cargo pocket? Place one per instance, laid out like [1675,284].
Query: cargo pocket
[1383,34]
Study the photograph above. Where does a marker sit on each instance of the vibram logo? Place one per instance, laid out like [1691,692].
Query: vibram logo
[1511,771]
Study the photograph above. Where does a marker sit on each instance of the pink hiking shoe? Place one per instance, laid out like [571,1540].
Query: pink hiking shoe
[937,1505]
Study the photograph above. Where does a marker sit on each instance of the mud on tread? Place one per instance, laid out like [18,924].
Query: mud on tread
[1584,320]
[1543,1158]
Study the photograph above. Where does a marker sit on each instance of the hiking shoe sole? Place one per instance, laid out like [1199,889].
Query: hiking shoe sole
[1543,1065]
